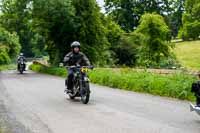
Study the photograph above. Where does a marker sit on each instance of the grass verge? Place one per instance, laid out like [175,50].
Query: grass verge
[174,85]
[8,67]
[188,54]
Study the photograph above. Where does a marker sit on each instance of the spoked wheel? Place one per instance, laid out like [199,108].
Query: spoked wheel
[71,97]
[85,95]
[21,71]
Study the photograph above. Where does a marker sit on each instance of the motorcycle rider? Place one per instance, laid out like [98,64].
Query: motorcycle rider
[196,91]
[21,56]
[74,58]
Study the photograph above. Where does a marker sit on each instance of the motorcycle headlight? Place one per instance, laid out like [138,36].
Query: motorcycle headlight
[84,70]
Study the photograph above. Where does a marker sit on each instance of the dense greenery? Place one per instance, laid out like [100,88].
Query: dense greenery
[155,45]
[191,21]
[15,17]
[9,46]
[127,13]
[50,26]
[176,85]
[149,45]
[131,33]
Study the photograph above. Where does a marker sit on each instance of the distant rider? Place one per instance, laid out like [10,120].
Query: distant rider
[21,57]
[74,58]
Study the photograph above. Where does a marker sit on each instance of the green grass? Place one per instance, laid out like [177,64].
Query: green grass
[188,54]
[174,85]
[8,67]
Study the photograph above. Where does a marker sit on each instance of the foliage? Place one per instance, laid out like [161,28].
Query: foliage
[48,27]
[16,17]
[60,22]
[92,33]
[127,50]
[9,46]
[127,13]
[4,58]
[54,21]
[8,67]
[156,45]
[191,21]
[175,18]
[175,86]
[49,70]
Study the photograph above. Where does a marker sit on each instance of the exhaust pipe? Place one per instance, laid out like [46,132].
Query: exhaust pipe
[192,107]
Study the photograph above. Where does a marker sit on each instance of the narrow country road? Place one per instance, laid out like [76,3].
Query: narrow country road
[35,103]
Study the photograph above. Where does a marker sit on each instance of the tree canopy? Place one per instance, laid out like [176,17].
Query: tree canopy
[131,32]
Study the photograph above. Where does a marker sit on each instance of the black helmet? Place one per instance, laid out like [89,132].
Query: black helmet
[75,44]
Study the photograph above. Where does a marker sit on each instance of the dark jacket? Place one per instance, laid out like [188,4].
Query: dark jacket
[21,57]
[72,59]
[196,89]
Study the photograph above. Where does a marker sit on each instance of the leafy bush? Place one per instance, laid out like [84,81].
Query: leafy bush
[127,50]
[175,85]
[9,46]
[49,70]
[4,58]
[156,45]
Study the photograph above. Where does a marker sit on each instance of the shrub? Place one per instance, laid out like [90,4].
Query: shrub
[4,58]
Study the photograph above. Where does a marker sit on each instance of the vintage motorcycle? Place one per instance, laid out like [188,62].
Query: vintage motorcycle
[196,90]
[81,85]
[21,66]
[195,108]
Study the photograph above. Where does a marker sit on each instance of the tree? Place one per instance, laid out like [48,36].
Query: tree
[191,21]
[155,31]
[91,32]
[16,17]
[175,18]
[54,21]
[9,46]
[127,13]
[127,50]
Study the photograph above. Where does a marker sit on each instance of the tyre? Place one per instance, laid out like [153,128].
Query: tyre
[72,97]
[85,96]
[21,71]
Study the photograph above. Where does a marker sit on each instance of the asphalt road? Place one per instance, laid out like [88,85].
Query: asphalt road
[35,103]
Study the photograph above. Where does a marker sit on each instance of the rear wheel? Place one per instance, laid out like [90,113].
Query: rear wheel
[85,95]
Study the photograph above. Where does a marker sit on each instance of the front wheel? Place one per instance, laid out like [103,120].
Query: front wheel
[85,94]
[21,71]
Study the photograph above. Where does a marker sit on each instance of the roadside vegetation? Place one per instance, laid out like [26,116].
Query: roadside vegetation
[173,85]
[8,67]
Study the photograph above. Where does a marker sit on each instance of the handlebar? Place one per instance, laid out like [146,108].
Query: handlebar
[89,67]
